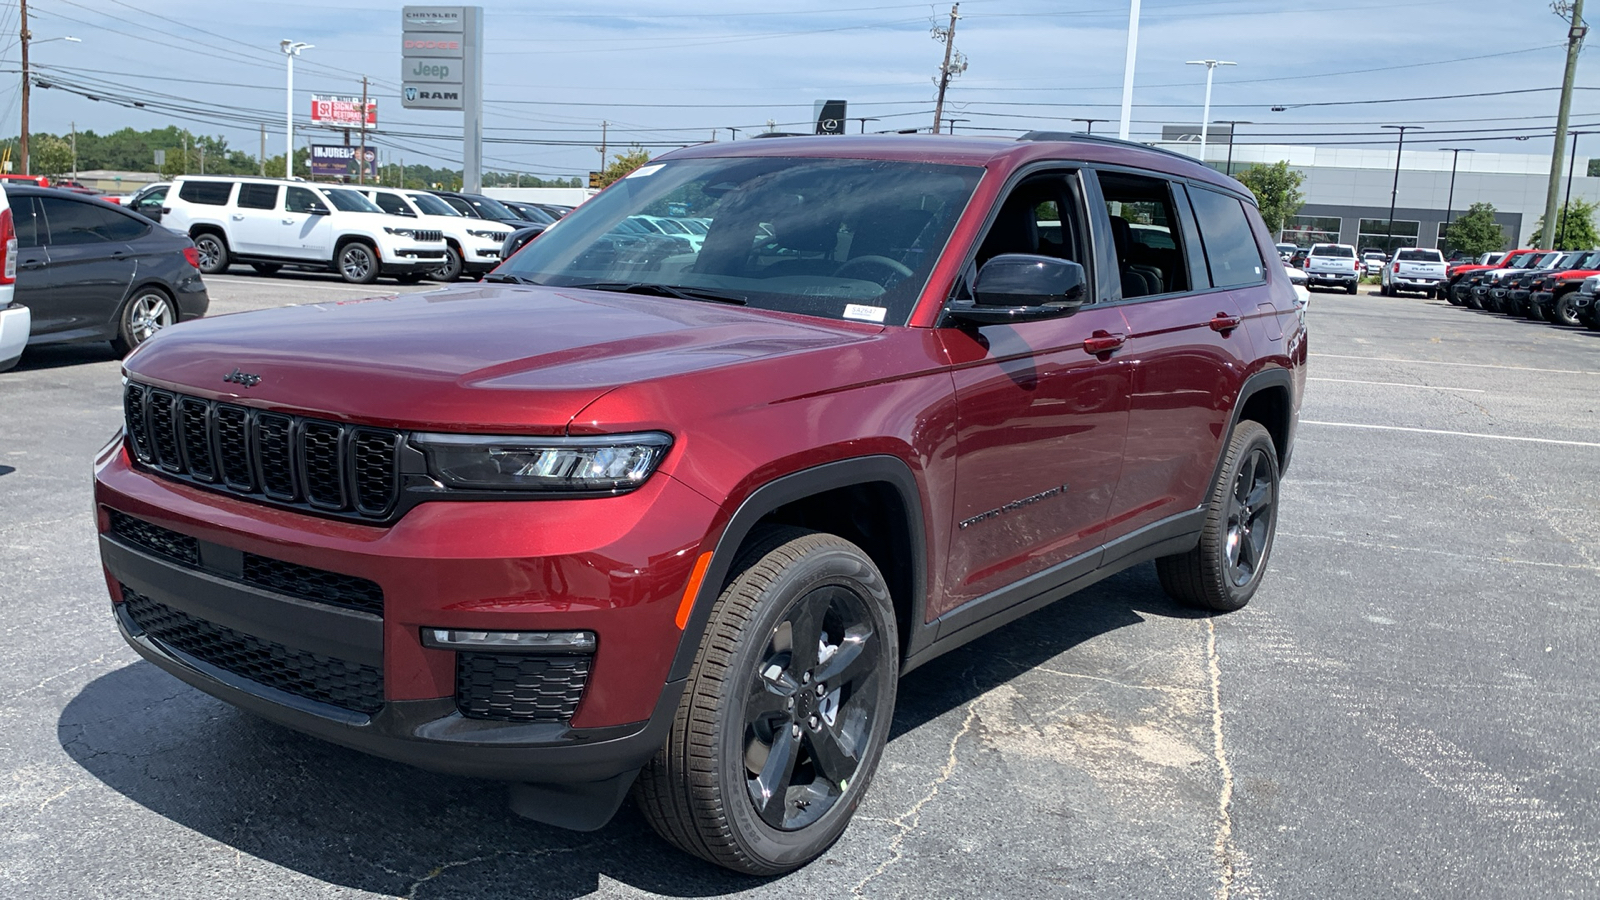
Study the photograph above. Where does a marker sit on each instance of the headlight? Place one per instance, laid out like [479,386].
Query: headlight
[612,462]
[403,232]
[490,235]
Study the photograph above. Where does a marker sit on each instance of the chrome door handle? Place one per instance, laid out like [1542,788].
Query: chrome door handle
[237,218]
[288,221]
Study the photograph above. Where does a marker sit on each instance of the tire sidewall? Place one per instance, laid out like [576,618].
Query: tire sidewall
[451,270]
[836,565]
[219,260]
[372,263]
[1247,438]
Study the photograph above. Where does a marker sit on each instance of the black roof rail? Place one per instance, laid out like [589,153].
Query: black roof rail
[1098,139]
[773,134]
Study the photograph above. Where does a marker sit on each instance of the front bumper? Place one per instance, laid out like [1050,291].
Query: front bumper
[616,566]
[15,322]
[411,260]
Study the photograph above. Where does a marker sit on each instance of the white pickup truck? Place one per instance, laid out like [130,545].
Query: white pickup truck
[1413,269]
[1333,264]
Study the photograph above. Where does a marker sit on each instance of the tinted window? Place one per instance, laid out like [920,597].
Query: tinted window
[153,200]
[1419,256]
[350,201]
[392,204]
[298,199]
[258,196]
[432,206]
[208,193]
[26,222]
[1144,229]
[71,222]
[463,206]
[1229,242]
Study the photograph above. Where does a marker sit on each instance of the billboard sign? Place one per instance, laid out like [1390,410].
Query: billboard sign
[342,112]
[338,161]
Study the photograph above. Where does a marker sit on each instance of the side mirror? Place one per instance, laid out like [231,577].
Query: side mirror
[318,210]
[1022,287]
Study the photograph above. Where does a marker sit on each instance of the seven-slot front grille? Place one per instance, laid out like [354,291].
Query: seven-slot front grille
[518,688]
[327,466]
[428,236]
[311,675]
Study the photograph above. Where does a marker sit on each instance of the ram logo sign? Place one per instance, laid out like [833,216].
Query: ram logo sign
[429,97]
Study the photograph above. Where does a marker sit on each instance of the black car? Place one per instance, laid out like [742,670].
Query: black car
[149,200]
[89,270]
[480,207]
[531,211]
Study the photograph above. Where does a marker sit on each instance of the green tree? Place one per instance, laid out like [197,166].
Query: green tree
[1594,167]
[1574,226]
[1475,231]
[622,164]
[48,155]
[1277,190]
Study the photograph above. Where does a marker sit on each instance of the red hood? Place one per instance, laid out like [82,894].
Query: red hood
[445,359]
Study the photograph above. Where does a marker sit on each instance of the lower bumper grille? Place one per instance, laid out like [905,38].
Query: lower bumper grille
[520,688]
[324,679]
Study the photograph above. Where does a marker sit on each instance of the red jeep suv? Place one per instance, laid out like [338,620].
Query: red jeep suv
[674,517]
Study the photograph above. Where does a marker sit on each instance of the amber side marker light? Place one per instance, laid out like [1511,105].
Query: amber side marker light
[686,605]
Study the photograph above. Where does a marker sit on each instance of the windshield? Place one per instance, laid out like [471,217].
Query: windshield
[432,206]
[840,238]
[350,201]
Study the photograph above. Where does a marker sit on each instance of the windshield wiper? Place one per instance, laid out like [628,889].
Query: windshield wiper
[664,290]
[507,278]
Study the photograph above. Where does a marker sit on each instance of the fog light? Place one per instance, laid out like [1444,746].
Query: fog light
[510,641]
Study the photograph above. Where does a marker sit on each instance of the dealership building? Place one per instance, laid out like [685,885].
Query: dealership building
[1347,189]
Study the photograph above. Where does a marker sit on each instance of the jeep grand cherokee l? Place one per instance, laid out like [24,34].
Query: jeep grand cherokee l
[670,520]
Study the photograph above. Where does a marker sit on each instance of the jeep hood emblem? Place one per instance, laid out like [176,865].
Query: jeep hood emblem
[244,378]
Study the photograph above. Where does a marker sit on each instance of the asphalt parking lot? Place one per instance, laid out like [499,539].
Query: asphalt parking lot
[1409,707]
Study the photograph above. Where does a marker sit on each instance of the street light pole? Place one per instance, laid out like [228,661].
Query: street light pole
[953,123]
[1388,240]
[291,49]
[1090,123]
[1127,69]
[1205,114]
[1571,159]
[1233,125]
[1450,201]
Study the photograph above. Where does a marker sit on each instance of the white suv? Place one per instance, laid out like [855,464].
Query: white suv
[15,319]
[472,246]
[271,223]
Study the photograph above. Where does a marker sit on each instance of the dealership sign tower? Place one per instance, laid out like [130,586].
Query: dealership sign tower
[441,59]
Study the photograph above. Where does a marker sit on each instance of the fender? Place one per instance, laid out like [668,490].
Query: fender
[785,490]
[1255,384]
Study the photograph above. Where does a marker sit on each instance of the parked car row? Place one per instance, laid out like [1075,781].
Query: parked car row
[1556,286]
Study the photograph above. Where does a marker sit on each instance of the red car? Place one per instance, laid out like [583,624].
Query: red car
[632,515]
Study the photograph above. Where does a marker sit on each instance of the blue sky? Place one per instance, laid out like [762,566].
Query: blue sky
[665,74]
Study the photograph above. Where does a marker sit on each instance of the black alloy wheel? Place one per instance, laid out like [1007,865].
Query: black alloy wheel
[358,264]
[786,711]
[1563,312]
[450,269]
[213,251]
[1224,570]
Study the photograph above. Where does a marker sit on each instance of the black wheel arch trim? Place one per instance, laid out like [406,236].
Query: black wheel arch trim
[785,490]
[1266,379]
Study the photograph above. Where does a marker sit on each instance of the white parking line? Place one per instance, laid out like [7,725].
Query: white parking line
[1422,387]
[1492,437]
[1436,362]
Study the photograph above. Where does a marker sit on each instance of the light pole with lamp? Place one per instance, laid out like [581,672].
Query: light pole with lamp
[1571,159]
[1388,240]
[27,85]
[953,124]
[1090,123]
[1450,200]
[1205,115]
[291,49]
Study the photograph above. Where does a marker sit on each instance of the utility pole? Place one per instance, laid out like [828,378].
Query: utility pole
[1090,123]
[603,126]
[24,37]
[263,149]
[1388,241]
[361,161]
[202,148]
[949,36]
[75,154]
[1575,35]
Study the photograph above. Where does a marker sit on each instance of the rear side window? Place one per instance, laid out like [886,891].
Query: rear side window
[206,193]
[71,222]
[258,196]
[1146,233]
[26,221]
[1230,245]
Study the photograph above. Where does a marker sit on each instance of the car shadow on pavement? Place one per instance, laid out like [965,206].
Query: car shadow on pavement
[56,356]
[349,819]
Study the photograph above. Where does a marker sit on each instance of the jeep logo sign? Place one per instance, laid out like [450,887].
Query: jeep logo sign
[432,70]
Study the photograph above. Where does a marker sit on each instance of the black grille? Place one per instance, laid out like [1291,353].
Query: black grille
[428,236]
[517,688]
[321,678]
[158,540]
[325,466]
[313,584]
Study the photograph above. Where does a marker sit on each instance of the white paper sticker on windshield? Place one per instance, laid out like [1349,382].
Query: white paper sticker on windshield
[865,313]
[645,171]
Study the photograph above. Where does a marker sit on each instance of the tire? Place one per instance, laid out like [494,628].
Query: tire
[451,269]
[1351,289]
[699,792]
[148,311]
[1216,574]
[1453,296]
[356,263]
[267,268]
[1536,312]
[213,249]
[1563,313]
[410,278]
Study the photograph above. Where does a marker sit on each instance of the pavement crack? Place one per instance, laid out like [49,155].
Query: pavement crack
[908,821]
[441,868]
